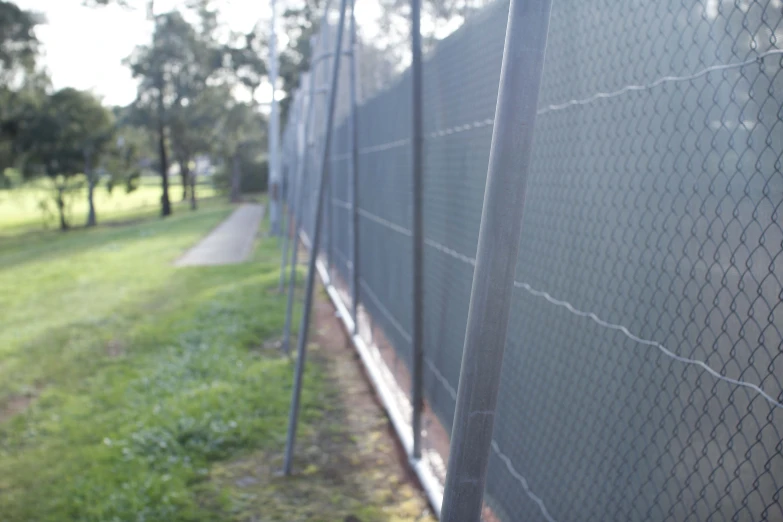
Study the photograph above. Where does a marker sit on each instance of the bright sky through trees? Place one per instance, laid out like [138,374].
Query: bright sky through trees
[83,47]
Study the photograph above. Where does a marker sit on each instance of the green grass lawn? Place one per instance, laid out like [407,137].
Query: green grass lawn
[123,378]
[131,390]
[20,211]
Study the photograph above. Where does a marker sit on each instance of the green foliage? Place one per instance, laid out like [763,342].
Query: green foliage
[121,166]
[196,128]
[254,176]
[176,64]
[186,82]
[243,61]
[244,130]
[172,70]
[69,123]
[18,44]
[18,108]
[21,87]
[61,138]
[10,178]
[301,23]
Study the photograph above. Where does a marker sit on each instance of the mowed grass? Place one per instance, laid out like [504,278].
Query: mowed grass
[20,209]
[123,379]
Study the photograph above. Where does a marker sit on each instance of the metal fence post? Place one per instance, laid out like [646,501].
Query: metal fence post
[303,330]
[354,178]
[498,248]
[417,350]
[308,99]
[329,223]
[294,120]
[274,131]
[327,217]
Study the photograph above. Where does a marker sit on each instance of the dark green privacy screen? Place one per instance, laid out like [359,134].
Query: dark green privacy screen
[643,374]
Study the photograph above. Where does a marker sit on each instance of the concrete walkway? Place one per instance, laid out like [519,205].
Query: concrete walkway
[231,242]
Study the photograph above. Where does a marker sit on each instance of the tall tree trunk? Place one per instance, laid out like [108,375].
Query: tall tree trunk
[165,203]
[91,220]
[187,181]
[236,178]
[61,207]
[183,172]
[193,204]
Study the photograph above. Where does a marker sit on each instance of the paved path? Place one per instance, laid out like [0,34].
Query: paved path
[231,242]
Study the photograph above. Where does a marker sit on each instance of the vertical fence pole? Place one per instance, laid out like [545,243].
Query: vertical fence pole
[354,177]
[274,131]
[496,259]
[303,330]
[327,218]
[417,349]
[329,257]
[294,120]
[308,100]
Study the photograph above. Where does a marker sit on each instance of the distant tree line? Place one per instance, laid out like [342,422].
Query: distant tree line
[186,106]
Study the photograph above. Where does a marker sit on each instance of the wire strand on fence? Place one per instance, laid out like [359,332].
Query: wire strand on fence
[658,82]
[495,447]
[523,481]
[405,335]
[620,328]
[584,101]
[568,306]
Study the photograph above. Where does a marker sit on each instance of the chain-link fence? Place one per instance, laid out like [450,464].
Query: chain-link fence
[643,373]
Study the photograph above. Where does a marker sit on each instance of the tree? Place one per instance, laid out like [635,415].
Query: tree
[64,138]
[188,77]
[195,129]
[172,71]
[241,131]
[300,23]
[242,62]
[17,108]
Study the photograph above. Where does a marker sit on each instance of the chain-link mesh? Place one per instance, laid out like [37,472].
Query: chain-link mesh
[643,374]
